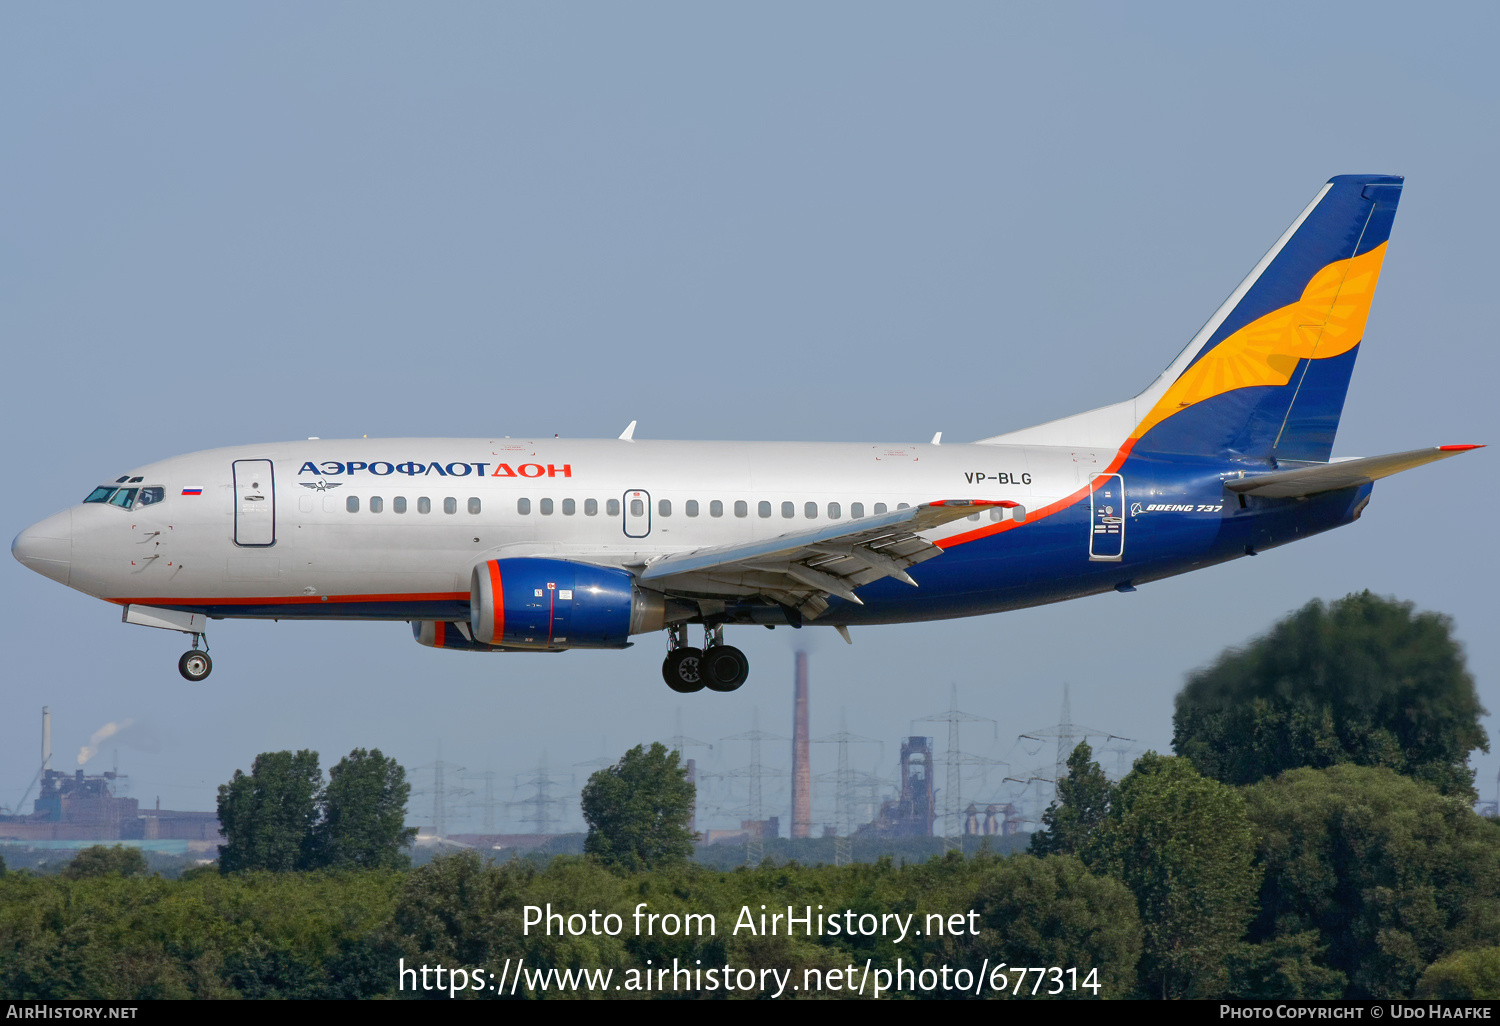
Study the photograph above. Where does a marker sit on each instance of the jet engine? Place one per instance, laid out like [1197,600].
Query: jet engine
[535,603]
[443,634]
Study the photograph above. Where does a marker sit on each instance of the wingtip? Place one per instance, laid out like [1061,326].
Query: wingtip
[1459,448]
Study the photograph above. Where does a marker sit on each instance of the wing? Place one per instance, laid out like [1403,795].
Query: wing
[1325,477]
[803,569]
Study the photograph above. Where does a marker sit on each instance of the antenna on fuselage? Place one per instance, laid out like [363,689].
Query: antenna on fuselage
[628,435]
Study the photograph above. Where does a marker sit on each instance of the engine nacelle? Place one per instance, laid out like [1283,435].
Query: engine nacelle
[535,603]
[441,634]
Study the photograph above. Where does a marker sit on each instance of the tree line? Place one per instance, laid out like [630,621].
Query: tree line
[1312,836]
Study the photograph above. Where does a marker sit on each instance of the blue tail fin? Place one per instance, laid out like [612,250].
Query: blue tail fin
[1268,375]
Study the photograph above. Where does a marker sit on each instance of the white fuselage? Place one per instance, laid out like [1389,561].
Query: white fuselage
[337,530]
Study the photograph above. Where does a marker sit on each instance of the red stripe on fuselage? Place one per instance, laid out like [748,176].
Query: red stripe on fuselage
[1045,511]
[291,600]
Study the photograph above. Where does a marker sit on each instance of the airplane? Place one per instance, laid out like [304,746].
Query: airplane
[541,545]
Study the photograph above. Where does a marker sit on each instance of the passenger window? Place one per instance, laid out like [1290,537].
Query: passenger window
[591,507]
[149,496]
[810,510]
[124,498]
[473,505]
[398,504]
[996,514]
[788,510]
[973,516]
[879,508]
[546,507]
[450,505]
[716,508]
[569,507]
[352,504]
[523,507]
[857,510]
[691,507]
[742,508]
[902,505]
[664,506]
[834,511]
[612,507]
[763,508]
[637,508]
[101,494]
[424,505]
[376,504]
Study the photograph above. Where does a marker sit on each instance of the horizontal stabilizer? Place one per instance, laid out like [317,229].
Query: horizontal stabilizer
[1327,477]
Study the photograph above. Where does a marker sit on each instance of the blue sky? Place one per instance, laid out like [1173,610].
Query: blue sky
[240,223]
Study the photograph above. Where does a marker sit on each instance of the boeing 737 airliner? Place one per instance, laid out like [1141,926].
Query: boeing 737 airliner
[510,545]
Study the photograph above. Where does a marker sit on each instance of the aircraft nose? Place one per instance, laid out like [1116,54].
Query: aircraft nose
[47,546]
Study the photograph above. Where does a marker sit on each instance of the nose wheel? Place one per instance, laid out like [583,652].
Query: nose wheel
[195,665]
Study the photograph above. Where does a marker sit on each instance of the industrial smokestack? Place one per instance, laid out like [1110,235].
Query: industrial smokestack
[801,772]
[46,739]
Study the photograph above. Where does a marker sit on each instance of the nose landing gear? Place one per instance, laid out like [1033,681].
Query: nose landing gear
[716,666]
[196,665]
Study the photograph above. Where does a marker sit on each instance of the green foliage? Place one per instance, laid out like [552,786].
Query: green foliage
[1364,680]
[1390,873]
[1183,845]
[268,817]
[459,911]
[1289,966]
[119,938]
[282,818]
[1053,912]
[1463,976]
[1079,810]
[638,810]
[101,860]
[364,814]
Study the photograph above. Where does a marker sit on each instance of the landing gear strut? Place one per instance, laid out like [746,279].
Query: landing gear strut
[716,666]
[196,665]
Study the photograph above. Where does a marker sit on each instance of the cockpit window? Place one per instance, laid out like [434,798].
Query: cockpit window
[125,498]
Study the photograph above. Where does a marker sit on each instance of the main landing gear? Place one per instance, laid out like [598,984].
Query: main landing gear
[716,666]
[196,665]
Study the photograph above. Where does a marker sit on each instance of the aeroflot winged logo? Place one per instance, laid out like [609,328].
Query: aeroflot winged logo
[384,468]
[321,485]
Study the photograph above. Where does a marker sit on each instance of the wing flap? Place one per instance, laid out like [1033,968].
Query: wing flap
[803,569]
[1327,477]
